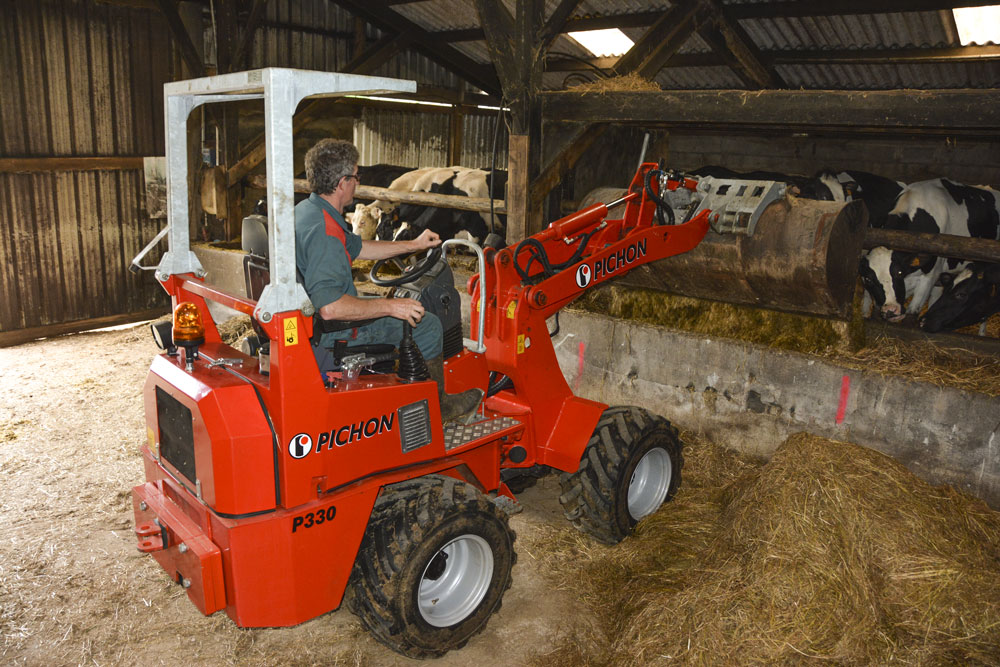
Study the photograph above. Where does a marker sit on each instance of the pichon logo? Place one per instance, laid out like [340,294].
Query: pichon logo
[610,264]
[300,445]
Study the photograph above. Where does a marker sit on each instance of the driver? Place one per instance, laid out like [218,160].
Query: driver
[325,246]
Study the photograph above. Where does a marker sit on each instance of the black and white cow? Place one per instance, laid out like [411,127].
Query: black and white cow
[454,223]
[877,192]
[380,218]
[970,298]
[381,175]
[937,206]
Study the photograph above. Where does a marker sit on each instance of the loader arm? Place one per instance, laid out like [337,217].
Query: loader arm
[528,284]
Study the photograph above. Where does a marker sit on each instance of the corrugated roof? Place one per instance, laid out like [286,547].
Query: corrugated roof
[770,35]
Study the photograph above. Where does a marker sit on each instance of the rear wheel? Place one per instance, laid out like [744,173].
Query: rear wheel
[631,466]
[433,566]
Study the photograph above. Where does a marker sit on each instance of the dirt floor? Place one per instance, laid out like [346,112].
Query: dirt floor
[73,587]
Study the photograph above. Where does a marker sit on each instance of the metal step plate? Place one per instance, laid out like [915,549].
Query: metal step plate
[456,434]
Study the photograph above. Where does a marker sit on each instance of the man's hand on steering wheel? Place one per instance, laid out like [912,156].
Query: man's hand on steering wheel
[427,239]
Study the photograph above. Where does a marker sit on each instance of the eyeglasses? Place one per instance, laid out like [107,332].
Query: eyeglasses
[354,176]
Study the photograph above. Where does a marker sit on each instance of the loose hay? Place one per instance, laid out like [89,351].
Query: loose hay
[629,82]
[923,362]
[927,362]
[830,551]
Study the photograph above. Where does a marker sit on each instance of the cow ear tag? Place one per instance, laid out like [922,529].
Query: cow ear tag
[915,261]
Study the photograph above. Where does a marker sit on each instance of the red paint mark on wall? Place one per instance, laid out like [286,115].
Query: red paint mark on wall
[845,392]
[581,348]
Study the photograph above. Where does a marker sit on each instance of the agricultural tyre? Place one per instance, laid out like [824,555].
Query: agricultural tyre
[631,466]
[433,566]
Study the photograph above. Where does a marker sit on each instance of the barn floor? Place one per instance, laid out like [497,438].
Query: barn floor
[73,587]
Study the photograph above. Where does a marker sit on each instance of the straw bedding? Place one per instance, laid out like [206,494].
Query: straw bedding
[830,552]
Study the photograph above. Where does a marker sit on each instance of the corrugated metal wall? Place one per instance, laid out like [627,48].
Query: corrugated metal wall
[84,78]
[419,139]
[80,79]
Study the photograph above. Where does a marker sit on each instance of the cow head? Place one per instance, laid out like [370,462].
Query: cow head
[883,274]
[365,220]
[386,228]
[971,297]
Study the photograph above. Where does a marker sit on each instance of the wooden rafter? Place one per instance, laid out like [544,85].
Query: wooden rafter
[556,23]
[246,40]
[729,39]
[181,36]
[432,46]
[378,54]
[663,39]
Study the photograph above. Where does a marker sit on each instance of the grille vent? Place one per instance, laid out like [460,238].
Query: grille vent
[176,434]
[452,342]
[414,425]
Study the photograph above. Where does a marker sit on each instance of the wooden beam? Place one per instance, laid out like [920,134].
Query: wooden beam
[441,52]
[663,39]
[378,54]
[498,31]
[22,165]
[478,204]
[20,336]
[567,155]
[181,36]
[942,245]
[729,39]
[249,30]
[556,23]
[947,54]
[944,111]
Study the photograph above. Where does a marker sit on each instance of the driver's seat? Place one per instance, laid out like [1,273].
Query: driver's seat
[257,274]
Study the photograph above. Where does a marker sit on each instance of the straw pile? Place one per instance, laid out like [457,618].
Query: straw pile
[829,552]
[628,83]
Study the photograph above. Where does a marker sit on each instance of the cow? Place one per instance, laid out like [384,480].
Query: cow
[937,206]
[877,192]
[368,220]
[454,223]
[970,298]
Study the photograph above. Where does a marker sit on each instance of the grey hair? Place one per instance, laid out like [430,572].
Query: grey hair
[329,161]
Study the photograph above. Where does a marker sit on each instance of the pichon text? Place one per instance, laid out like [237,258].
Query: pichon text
[623,257]
[354,432]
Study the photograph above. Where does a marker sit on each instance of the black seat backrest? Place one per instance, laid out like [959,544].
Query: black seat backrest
[256,270]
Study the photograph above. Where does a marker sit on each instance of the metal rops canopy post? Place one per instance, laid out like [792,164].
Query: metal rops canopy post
[282,90]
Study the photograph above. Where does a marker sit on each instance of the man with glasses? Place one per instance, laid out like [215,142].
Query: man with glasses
[325,246]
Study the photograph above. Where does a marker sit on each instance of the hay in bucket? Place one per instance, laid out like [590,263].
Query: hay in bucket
[829,552]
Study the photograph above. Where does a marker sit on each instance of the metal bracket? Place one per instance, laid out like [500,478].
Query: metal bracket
[736,205]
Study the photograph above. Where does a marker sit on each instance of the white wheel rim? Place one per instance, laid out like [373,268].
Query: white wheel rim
[650,482]
[452,588]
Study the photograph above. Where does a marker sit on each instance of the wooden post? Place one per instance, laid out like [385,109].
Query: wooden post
[518,183]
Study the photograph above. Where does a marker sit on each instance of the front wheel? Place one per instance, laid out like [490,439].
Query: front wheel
[433,566]
[631,466]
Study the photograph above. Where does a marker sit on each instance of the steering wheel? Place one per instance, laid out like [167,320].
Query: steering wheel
[410,271]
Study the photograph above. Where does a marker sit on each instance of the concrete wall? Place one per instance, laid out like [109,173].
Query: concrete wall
[751,398]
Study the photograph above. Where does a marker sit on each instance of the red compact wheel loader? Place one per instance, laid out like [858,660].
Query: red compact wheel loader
[276,493]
